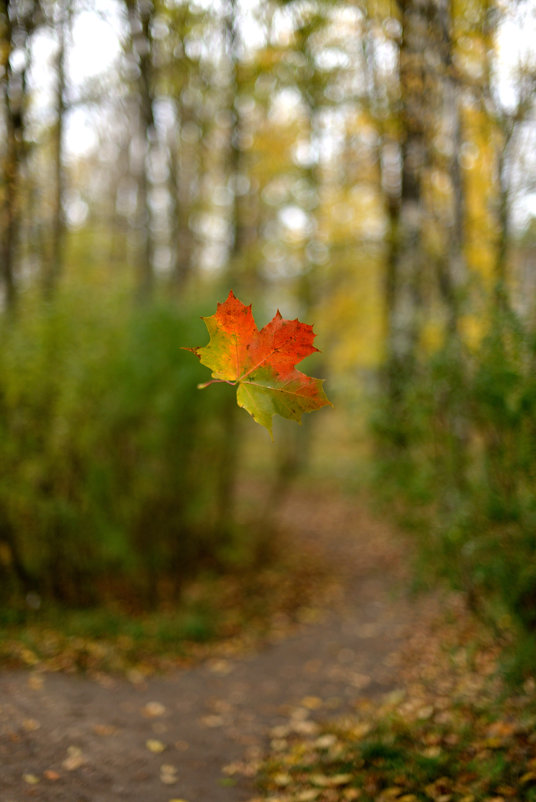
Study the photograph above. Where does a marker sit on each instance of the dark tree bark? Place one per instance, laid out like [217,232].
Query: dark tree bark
[406,261]
[234,160]
[140,14]
[14,31]
[54,269]
[453,276]
[182,166]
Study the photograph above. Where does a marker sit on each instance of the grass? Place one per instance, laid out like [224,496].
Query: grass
[229,612]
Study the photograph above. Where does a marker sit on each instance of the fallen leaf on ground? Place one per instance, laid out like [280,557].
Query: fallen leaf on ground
[182,746]
[155,746]
[104,729]
[49,774]
[212,721]
[312,702]
[153,709]
[74,759]
[168,774]
[220,667]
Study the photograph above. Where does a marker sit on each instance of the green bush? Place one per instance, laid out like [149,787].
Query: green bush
[109,456]
[466,471]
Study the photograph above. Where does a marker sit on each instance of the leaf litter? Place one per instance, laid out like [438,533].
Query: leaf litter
[454,732]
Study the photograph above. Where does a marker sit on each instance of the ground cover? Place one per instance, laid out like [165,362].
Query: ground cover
[198,731]
[359,691]
[453,731]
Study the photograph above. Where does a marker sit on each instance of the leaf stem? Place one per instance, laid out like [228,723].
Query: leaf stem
[215,381]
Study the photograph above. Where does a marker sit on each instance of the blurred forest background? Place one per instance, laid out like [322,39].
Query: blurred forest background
[366,165]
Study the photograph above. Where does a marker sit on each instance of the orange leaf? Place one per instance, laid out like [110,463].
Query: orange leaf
[261,364]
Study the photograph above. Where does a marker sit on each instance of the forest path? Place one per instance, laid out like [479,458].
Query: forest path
[73,739]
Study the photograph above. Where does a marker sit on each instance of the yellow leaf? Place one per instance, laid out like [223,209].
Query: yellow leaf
[74,759]
[282,779]
[312,702]
[390,793]
[325,741]
[340,779]
[431,751]
[155,746]
[320,779]
[29,657]
[31,779]
[168,774]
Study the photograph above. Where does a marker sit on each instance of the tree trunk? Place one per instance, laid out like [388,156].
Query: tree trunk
[406,257]
[182,167]
[229,449]
[140,13]
[12,96]
[453,276]
[55,267]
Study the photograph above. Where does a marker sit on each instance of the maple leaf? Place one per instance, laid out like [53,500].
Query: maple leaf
[261,364]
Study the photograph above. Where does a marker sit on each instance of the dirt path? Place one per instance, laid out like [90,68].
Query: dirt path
[170,738]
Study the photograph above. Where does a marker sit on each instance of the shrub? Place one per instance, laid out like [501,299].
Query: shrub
[468,464]
[109,457]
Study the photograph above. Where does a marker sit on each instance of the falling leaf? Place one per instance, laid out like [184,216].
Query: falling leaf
[31,779]
[261,364]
